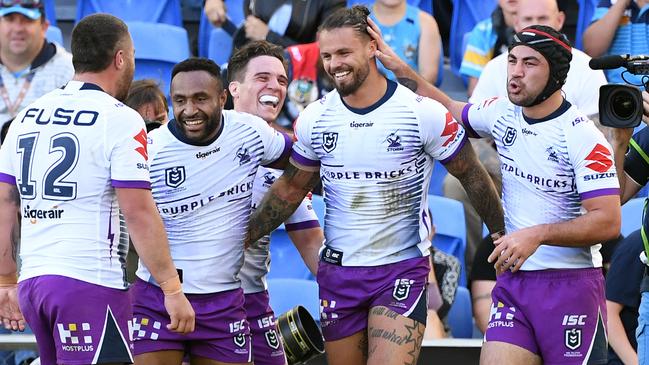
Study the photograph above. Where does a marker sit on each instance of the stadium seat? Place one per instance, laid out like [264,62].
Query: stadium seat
[460,316]
[285,260]
[54,34]
[210,37]
[437,179]
[219,47]
[466,14]
[158,47]
[319,208]
[586,10]
[287,293]
[450,227]
[50,11]
[632,215]
[153,11]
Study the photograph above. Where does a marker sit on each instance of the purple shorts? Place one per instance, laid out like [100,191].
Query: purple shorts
[267,348]
[221,331]
[76,322]
[347,293]
[559,315]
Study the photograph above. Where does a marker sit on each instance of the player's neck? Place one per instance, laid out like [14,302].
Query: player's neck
[545,108]
[105,81]
[371,91]
[389,15]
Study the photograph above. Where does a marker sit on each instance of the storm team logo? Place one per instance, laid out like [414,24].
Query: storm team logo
[329,141]
[175,176]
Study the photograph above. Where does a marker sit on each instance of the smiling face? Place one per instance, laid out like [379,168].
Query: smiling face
[527,74]
[197,98]
[348,61]
[262,89]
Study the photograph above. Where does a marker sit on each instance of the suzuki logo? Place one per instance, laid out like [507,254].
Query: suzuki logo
[601,159]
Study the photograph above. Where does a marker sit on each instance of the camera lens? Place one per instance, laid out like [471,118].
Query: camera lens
[623,105]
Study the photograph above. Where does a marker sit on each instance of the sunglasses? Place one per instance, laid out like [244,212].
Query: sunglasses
[30,4]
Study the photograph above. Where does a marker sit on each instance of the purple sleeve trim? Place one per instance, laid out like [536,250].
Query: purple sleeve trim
[599,192]
[301,225]
[465,121]
[303,160]
[457,150]
[131,184]
[6,178]
[288,144]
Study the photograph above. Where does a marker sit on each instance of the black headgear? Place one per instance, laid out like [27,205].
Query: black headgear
[556,49]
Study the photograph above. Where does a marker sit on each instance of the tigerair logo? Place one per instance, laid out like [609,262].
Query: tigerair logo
[34,214]
[600,158]
[450,129]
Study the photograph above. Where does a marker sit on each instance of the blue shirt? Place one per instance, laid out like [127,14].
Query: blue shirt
[403,38]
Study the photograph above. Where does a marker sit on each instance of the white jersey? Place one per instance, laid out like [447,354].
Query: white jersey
[257,256]
[375,164]
[548,167]
[581,88]
[204,192]
[66,152]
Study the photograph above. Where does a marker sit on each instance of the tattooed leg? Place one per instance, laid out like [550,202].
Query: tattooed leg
[392,338]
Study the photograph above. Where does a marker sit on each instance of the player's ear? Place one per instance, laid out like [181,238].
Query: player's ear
[223,97]
[233,87]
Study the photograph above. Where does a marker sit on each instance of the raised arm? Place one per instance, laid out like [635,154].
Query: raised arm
[10,313]
[409,77]
[479,187]
[281,200]
[150,239]
[599,35]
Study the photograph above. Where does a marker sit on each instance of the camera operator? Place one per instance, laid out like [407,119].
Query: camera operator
[633,174]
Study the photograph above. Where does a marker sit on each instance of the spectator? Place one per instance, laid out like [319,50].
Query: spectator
[623,300]
[147,99]
[412,34]
[278,21]
[618,27]
[488,39]
[30,65]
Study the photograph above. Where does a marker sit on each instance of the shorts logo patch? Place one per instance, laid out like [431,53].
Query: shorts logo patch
[573,338]
[509,137]
[402,289]
[271,338]
[143,328]
[501,315]
[175,176]
[329,141]
[240,339]
[75,338]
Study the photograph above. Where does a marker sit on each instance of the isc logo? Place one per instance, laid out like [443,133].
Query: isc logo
[574,320]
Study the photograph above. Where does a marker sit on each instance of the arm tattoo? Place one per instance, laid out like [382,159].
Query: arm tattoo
[277,206]
[479,187]
[409,83]
[14,198]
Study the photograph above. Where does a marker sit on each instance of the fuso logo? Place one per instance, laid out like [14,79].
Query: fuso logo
[450,129]
[600,158]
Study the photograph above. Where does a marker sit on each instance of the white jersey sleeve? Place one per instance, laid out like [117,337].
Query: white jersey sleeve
[304,217]
[129,157]
[441,134]
[592,159]
[303,154]
[479,119]
[8,170]
[275,144]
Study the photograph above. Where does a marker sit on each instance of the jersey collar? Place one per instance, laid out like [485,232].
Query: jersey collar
[392,87]
[565,105]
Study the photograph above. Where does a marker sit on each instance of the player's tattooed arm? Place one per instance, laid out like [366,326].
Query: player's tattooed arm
[9,227]
[479,187]
[488,156]
[409,83]
[281,200]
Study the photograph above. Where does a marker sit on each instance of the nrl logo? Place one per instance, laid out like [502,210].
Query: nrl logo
[271,338]
[175,176]
[329,141]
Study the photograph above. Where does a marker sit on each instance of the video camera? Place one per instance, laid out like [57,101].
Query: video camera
[620,106]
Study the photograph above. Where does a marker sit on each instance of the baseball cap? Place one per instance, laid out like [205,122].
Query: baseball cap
[32,9]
